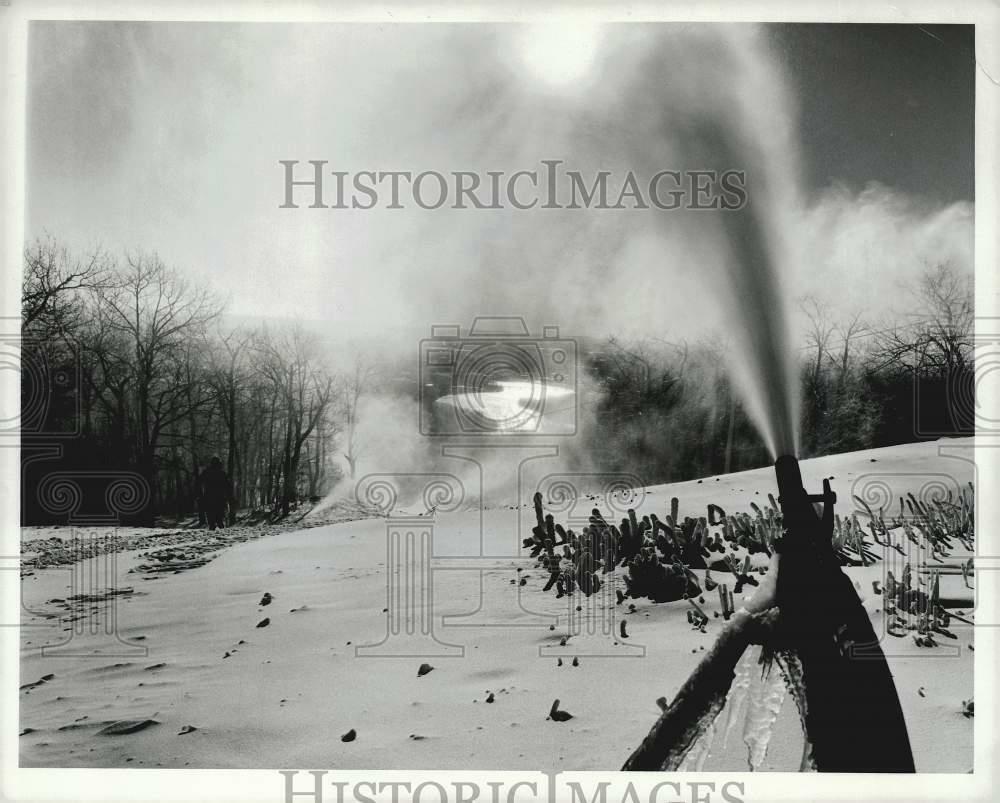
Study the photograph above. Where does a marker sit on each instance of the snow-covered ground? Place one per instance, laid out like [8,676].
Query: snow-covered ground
[191,655]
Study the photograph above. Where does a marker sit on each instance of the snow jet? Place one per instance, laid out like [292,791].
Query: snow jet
[712,100]
[695,99]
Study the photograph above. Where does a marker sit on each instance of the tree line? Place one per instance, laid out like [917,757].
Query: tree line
[668,412]
[129,366]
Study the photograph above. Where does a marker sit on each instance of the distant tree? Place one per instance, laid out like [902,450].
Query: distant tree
[851,329]
[54,287]
[938,338]
[819,333]
[302,390]
[355,384]
[922,371]
[144,321]
[51,284]
[230,377]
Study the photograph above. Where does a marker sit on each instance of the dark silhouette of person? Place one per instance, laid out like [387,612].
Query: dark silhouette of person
[215,493]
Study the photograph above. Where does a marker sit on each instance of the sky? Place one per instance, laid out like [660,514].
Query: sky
[167,137]
[886,103]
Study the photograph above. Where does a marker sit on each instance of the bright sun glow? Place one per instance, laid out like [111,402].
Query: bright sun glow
[559,53]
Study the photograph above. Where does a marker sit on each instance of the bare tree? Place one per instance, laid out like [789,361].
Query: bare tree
[53,292]
[303,390]
[146,318]
[852,328]
[51,278]
[230,378]
[818,334]
[648,366]
[355,384]
[939,339]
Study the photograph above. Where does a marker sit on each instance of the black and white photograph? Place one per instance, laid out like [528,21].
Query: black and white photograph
[583,397]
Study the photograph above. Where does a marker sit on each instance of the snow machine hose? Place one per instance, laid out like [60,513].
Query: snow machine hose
[853,719]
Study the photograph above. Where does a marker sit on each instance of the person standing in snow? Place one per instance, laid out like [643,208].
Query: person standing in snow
[215,493]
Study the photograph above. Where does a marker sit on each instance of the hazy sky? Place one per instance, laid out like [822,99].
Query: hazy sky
[166,137]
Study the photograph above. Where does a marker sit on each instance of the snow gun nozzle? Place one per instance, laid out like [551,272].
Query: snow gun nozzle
[797,505]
